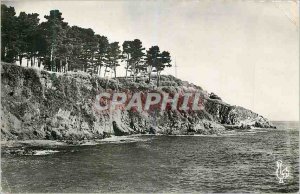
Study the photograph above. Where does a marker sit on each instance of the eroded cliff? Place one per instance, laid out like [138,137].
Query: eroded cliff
[37,104]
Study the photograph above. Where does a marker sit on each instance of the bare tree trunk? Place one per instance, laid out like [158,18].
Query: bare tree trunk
[3,51]
[39,62]
[157,78]
[31,61]
[92,63]
[60,65]
[20,58]
[105,71]
[99,70]
[51,58]
[95,69]
[150,74]
[27,62]
[127,66]
[126,70]
[67,65]
[133,72]
[54,68]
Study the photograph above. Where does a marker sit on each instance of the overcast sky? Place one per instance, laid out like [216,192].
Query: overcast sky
[247,52]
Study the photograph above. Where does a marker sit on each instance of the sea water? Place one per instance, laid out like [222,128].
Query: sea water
[238,161]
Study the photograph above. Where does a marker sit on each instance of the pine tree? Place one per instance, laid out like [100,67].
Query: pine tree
[137,57]
[134,53]
[152,59]
[9,34]
[127,51]
[54,32]
[27,43]
[113,57]
[164,61]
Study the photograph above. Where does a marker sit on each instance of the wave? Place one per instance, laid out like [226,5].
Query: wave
[123,139]
[44,152]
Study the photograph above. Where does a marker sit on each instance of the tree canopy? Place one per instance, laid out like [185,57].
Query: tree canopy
[60,47]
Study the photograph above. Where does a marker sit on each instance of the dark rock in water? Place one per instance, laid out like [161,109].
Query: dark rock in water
[245,126]
[73,142]
[118,131]
[54,135]
[152,130]
[36,104]
[230,127]
[19,151]
[106,135]
[190,133]
[263,125]
[191,128]
[143,132]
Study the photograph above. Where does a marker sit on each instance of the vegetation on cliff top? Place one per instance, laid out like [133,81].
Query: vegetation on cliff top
[59,47]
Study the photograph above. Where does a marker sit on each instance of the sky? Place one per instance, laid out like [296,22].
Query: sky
[246,52]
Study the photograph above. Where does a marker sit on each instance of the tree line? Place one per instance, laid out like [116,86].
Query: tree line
[60,47]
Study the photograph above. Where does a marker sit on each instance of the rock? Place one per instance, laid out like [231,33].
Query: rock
[117,130]
[214,96]
[37,104]
[152,130]
[106,135]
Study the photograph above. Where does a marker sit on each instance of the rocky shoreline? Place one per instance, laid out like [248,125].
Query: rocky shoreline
[41,105]
[46,147]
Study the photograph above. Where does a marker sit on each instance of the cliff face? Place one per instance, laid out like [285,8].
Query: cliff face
[42,105]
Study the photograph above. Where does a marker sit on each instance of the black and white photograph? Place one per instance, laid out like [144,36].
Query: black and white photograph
[149,96]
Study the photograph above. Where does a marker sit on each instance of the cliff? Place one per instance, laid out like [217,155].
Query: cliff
[37,104]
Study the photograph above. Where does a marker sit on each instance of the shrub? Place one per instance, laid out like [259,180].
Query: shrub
[214,96]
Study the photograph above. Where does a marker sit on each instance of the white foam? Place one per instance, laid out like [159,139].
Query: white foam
[89,143]
[122,139]
[44,152]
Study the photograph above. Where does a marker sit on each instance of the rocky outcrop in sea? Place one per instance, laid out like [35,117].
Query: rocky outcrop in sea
[37,104]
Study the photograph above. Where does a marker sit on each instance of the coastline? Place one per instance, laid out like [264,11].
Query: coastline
[43,143]
[37,104]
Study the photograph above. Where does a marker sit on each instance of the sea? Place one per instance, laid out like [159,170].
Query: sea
[237,161]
